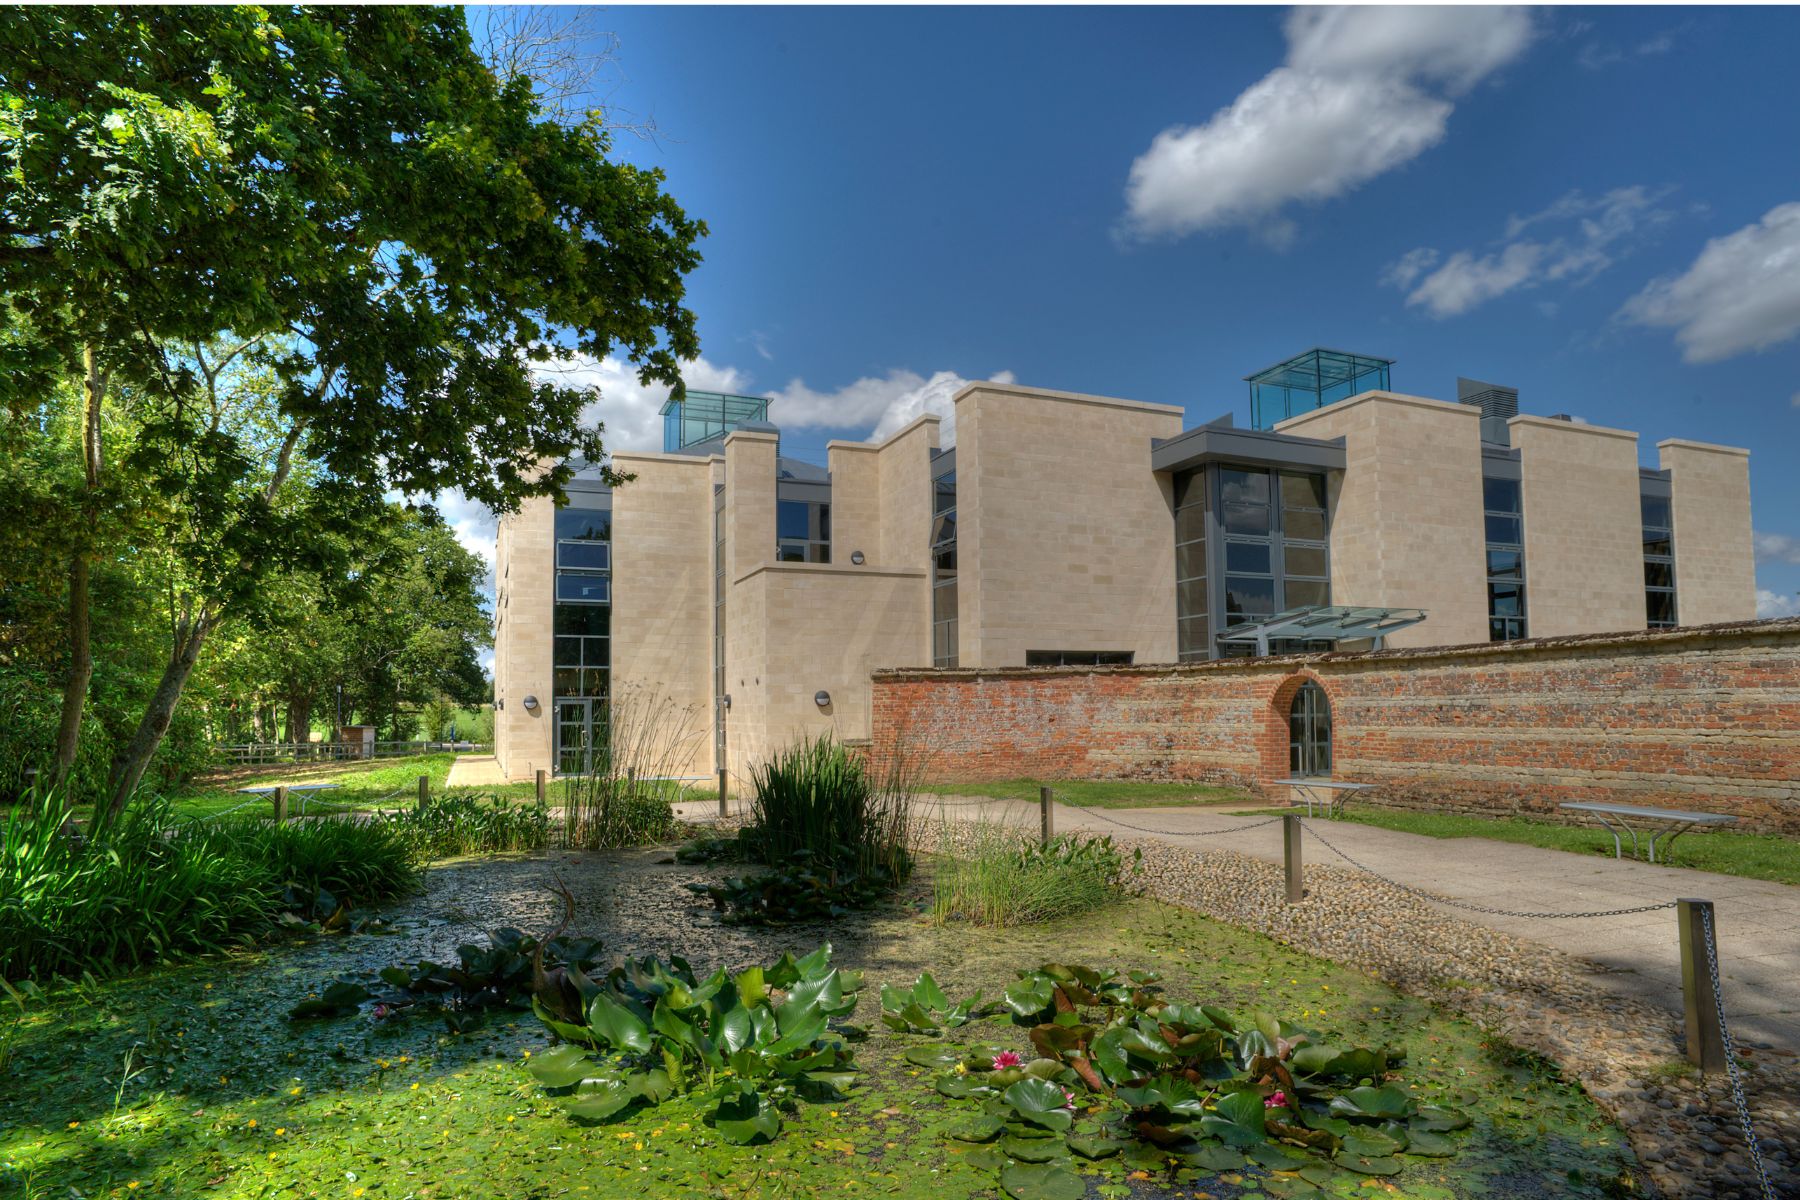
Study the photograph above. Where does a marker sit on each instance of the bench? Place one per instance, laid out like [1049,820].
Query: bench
[295,791]
[1618,818]
[1326,793]
[681,782]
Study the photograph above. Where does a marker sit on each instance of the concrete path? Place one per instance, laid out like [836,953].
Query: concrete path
[1758,923]
[474,770]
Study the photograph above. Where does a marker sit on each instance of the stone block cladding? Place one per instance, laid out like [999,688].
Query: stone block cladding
[1704,718]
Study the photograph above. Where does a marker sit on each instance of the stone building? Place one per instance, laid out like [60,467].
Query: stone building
[749,596]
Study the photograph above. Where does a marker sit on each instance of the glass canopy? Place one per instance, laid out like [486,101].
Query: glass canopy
[1312,380]
[703,415]
[1329,622]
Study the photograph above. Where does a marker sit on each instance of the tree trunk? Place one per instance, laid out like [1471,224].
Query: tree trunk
[134,759]
[81,655]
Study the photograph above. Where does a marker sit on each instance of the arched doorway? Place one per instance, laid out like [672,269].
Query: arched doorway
[1309,732]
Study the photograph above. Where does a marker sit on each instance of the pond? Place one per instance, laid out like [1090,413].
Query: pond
[191,1081]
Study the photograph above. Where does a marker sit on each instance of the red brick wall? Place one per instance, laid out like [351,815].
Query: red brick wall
[1705,718]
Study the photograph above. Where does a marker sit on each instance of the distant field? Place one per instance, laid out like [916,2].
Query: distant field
[1101,793]
[359,785]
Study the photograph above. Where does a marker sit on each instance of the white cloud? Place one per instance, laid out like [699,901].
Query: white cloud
[1597,56]
[1777,548]
[1741,294]
[1794,400]
[1363,91]
[884,404]
[1773,604]
[1600,228]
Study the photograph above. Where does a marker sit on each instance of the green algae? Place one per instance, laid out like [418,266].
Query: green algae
[230,1099]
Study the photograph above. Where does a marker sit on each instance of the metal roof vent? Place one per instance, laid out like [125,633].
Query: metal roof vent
[1492,399]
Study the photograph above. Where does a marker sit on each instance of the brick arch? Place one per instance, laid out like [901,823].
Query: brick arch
[1272,737]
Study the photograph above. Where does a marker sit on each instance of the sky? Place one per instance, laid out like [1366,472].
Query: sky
[1600,207]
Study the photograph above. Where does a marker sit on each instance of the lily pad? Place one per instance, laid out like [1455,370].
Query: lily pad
[1041,1181]
[602,1098]
[747,1117]
[1371,1143]
[933,1056]
[976,1129]
[562,1066]
[1033,1150]
[1368,1166]
[1092,1145]
[1426,1144]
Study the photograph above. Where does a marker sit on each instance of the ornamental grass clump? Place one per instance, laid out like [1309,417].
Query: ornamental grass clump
[463,823]
[642,741]
[1004,878]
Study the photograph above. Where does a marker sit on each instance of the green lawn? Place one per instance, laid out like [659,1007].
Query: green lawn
[1099,793]
[359,785]
[1753,856]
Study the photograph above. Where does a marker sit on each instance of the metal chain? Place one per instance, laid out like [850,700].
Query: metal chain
[1101,813]
[1731,1064]
[1480,908]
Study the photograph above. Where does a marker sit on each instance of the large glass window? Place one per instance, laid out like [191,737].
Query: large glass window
[1192,614]
[802,531]
[719,639]
[1659,563]
[581,656]
[1505,520]
[943,570]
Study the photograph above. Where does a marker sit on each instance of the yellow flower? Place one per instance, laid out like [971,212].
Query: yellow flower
[1378,1008]
[279,1132]
[252,1123]
[511,1119]
[415,1087]
[293,1091]
[132,1184]
[74,1124]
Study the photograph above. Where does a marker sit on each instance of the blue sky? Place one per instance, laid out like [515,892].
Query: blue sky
[1600,207]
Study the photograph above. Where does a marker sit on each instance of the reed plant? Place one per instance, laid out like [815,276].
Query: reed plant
[815,802]
[644,741]
[1001,877]
[473,823]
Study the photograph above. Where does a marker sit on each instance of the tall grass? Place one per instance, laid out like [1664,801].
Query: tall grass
[816,803]
[147,886]
[462,823]
[622,799]
[1002,877]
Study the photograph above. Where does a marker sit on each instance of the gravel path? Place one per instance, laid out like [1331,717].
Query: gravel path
[1625,1051]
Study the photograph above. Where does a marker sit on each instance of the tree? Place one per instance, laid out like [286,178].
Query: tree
[351,199]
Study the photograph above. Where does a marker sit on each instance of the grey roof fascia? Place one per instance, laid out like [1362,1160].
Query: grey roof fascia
[1652,482]
[943,462]
[806,490]
[1222,443]
[1501,462]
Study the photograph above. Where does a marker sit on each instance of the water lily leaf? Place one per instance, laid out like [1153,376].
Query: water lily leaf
[1041,1181]
[1211,1156]
[1434,1119]
[733,1031]
[617,1026]
[929,994]
[1373,1103]
[601,1098]
[1317,1120]
[1090,1145]
[1040,1102]
[932,1056]
[976,1129]
[341,997]
[653,1086]
[562,1029]
[959,1087]
[1035,1150]
[1368,1166]
[1426,1144]
[397,976]
[1371,1143]
[985,1158]
[1277,1157]
[1237,1119]
[746,1117]
[1030,996]
[562,1066]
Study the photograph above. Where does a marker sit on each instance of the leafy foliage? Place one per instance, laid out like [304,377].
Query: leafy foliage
[1005,879]
[757,1042]
[1118,1070]
[472,823]
[924,1008]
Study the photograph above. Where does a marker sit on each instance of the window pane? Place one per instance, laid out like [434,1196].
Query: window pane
[1657,545]
[943,494]
[1249,596]
[824,534]
[568,652]
[594,620]
[583,589]
[1194,636]
[1500,495]
[1304,560]
[821,552]
[1190,560]
[943,602]
[1190,524]
[1659,607]
[567,682]
[1656,512]
[593,556]
[1659,575]
[1302,491]
[587,524]
[940,642]
[1309,526]
[943,529]
[1503,529]
[1251,557]
[790,552]
[1303,593]
[1190,598]
[1247,518]
[1241,486]
[945,562]
[1506,600]
[1506,564]
[1190,489]
[793,519]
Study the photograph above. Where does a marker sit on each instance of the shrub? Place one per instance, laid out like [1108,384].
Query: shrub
[146,886]
[1010,879]
[464,823]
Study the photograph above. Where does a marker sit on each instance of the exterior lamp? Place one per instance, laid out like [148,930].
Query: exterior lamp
[822,699]
[531,704]
[856,556]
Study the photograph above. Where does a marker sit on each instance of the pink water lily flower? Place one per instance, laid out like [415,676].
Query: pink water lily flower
[1005,1059]
[1068,1099]
[1278,1100]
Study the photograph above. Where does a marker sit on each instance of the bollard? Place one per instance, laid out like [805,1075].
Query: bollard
[1290,853]
[1705,1036]
[280,805]
[424,791]
[540,787]
[1047,813]
[722,809]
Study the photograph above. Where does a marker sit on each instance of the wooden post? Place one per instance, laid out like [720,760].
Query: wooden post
[1705,1035]
[1290,844]
[424,791]
[540,787]
[723,810]
[280,805]
[1047,813]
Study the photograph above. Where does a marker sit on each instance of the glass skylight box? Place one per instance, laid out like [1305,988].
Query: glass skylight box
[1310,381]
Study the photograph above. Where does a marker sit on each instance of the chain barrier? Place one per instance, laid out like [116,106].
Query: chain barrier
[1731,1063]
[1479,908]
[1101,813]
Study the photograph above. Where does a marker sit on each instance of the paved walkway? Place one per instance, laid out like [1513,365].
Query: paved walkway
[1758,922]
[474,770]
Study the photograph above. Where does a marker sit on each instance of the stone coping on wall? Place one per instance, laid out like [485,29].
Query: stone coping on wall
[1781,629]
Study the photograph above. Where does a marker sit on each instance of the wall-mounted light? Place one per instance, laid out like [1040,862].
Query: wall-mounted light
[500,705]
[822,699]
[725,700]
[856,556]
[531,704]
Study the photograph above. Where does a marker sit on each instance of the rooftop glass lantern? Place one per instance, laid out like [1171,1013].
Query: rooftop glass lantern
[1312,380]
[703,415]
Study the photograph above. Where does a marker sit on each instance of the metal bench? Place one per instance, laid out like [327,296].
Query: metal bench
[295,791]
[1327,794]
[1617,819]
[682,783]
